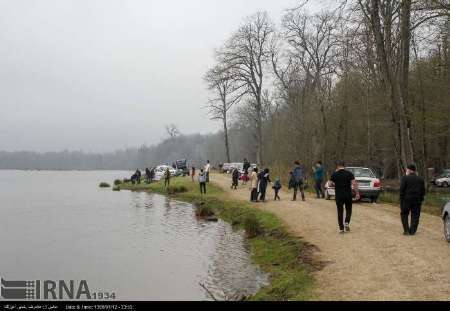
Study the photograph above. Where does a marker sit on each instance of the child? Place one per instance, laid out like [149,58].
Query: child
[202,181]
[276,187]
[235,178]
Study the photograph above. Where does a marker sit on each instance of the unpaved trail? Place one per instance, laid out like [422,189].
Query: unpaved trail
[372,262]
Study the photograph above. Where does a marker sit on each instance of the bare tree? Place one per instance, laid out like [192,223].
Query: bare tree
[246,55]
[219,80]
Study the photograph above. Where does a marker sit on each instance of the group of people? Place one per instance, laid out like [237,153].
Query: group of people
[412,191]
[137,176]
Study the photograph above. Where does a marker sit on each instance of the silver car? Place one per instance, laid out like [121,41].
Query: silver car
[446,219]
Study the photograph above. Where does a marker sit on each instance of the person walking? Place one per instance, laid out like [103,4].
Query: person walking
[202,181]
[343,181]
[264,180]
[193,173]
[276,187]
[167,178]
[235,178]
[207,169]
[412,193]
[254,185]
[319,173]
[298,175]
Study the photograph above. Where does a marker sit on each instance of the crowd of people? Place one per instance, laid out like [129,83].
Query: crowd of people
[412,191]
[412,188]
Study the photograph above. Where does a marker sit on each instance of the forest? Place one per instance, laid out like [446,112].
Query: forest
[366,82]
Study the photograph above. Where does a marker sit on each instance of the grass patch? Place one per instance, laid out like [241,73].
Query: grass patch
[276,251]
[104,185]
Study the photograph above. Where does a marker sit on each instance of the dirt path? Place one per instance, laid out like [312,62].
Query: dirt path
[373,262]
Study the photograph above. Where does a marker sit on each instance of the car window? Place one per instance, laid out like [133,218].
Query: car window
[361,172]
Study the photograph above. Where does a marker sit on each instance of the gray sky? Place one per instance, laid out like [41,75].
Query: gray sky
[99,75]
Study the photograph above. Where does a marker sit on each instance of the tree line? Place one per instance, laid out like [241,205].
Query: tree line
[366,81]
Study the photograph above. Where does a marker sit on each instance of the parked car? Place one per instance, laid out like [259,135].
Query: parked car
[239,166]
[442,180]
[446,219]
[226,167]
[161,170]
[369,185]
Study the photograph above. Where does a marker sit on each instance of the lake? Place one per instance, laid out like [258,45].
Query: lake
[59,225]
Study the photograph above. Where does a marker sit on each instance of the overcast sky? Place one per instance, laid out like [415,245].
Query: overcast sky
[99,75]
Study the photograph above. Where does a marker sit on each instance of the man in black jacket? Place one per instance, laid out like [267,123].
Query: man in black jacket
[412,192]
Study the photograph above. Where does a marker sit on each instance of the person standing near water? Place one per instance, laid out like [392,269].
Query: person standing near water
[254,185]
[193,173]
[343,181]
[202,181]
[207,169]
[318,179]
[412,193]
[167,178]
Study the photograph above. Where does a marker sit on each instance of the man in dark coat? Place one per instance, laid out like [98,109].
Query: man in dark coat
[412,193]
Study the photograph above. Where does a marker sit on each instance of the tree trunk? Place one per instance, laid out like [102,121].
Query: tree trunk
[225,134]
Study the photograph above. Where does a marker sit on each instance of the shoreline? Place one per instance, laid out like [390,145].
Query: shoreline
[284,257]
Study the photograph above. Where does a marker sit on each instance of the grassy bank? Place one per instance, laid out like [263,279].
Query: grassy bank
[276,251]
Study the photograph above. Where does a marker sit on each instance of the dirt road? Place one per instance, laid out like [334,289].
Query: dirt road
[373,262]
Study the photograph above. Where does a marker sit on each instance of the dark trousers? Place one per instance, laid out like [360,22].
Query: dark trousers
[203,187]
[412,207]
[235,183]
[207,176]
[254,195]
[262,195]
[340,202]
[318,187]
[276,194]
[166,182]
[299,186]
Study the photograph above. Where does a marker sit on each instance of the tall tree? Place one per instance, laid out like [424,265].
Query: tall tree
[219,81]
[246,55]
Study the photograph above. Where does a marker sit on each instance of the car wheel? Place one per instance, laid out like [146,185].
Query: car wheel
[445,184]
[447,228]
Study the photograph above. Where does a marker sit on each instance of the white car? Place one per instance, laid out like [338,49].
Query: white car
[369,186]
[161,170]
[446,219]
[443,180]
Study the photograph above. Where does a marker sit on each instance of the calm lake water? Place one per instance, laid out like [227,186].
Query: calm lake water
[62,226]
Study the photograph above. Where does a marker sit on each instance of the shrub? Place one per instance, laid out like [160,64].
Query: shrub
[116,188]
[203,210]
[104,185]
[252,226]
[177,189]
[117,182]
